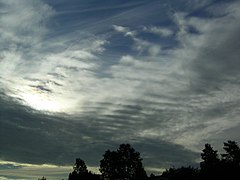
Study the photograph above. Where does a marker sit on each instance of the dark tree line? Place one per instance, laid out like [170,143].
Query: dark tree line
[224,166]
[126,164]
[123,164]
[214,166]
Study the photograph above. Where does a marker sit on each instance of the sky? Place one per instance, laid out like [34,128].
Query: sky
[79,77]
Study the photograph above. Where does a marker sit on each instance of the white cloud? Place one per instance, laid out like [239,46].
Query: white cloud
[125,30]
[160,31]
[24,23]
[199,77]
[154,50]
[140,45]
[42,79]
[207,58]
[55,73]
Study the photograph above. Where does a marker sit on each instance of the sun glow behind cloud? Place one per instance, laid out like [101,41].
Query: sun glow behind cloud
[44,74]
[43,102]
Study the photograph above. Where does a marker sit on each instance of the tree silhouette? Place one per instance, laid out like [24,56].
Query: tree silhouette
[231,160]
[79,170]
[210,164]
[80,166]
[232,152]
[125,163]
[209,156]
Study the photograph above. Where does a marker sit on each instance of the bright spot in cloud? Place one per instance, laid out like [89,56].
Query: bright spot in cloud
[43,102]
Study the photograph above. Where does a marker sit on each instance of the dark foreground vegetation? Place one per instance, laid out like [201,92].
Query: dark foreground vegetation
[126,164]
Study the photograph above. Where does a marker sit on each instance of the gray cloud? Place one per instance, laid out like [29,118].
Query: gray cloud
[210,67]
[56,140]
[216,62]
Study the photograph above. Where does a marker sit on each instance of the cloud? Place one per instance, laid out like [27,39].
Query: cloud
[37,70]
[202,71]
[59,144]
[78,96]
[30,171]
[210,63]
[140,45]
[126,31]
[23,24]
[211,60]
[160,31]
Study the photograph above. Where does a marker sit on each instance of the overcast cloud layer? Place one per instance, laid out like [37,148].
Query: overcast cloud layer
[80,77]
